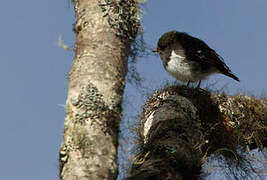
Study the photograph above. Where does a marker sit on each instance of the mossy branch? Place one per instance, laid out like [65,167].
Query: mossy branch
[179,138]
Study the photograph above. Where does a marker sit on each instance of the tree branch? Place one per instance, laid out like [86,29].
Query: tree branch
[180,127]
[96,84]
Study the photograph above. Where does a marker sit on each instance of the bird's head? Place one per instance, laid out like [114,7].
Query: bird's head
[166,41]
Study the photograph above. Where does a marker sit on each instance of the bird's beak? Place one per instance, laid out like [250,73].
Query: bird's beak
[155,50]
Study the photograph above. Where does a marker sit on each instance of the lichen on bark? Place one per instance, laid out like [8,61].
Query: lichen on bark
[90,130]
[96,84]
[123,16]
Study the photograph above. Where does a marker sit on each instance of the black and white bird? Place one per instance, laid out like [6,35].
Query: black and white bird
[190,59]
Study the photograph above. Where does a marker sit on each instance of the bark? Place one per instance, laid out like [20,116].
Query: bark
[180,127]
[96,83]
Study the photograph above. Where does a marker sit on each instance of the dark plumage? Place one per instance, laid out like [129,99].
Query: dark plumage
[190,59]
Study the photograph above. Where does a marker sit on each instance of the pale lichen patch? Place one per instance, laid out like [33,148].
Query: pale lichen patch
[122,16]
[148,125]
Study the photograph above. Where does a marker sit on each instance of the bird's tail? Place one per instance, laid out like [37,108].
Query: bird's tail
[231,75]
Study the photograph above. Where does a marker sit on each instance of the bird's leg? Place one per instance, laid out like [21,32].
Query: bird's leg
[188,83]
[198,86]
[200,89]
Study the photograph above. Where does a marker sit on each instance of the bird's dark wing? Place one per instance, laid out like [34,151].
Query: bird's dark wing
[198,51]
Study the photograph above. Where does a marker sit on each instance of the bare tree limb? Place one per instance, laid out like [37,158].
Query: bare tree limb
[104,30]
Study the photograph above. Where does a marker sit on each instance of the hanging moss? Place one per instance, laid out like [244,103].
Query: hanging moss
[247,117]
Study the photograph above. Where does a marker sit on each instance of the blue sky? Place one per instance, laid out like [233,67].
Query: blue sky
[34,69]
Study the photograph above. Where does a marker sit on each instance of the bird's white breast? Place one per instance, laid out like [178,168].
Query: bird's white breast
[179,68]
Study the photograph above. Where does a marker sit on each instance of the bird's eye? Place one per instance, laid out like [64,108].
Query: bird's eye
[162,47]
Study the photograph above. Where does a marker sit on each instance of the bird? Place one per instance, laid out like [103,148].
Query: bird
[189,59]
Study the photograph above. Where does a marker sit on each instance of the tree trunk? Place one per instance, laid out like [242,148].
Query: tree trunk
[180,127]
[96,84]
